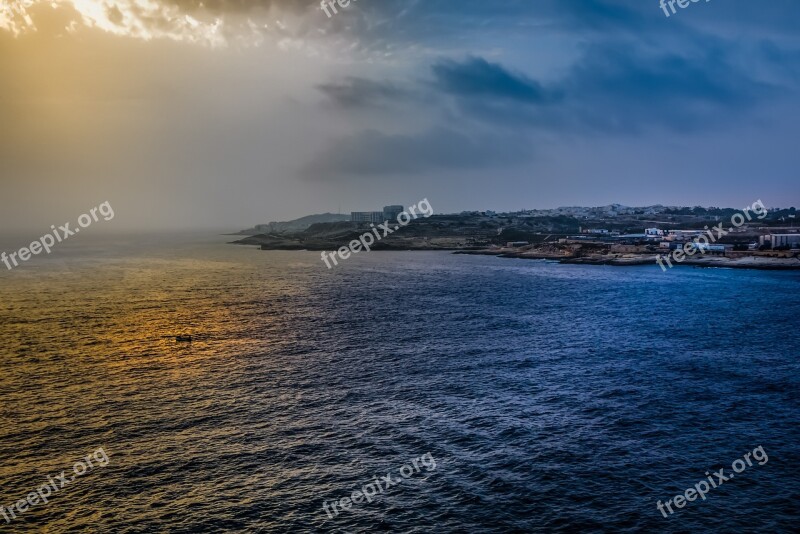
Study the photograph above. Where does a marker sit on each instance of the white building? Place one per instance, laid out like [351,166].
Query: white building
[780,240]
[367,216]
[684,235]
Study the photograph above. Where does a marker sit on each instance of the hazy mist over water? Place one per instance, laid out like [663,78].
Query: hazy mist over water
[552,397]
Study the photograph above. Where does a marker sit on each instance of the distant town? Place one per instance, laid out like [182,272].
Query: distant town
[613,234]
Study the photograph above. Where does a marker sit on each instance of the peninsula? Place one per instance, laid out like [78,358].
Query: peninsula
[607,235]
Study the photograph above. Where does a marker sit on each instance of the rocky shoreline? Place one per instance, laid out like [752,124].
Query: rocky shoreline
[477,236]
[624,260]
[563,256]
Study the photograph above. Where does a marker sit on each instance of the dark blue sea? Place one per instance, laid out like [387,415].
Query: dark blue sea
[533,397]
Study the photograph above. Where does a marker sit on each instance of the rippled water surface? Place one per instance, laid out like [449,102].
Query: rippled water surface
[553,398]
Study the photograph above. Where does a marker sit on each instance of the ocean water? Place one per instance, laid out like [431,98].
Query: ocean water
[551,398]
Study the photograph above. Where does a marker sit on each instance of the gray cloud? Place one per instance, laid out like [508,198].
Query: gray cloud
[612,88]
[371,152]
[355,92]
[618,88]
[477,78]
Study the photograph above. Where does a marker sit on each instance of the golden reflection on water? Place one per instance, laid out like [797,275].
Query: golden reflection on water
[90,359]
[135,311]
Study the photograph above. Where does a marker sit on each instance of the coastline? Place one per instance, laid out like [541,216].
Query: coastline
[617,260]
[443,233]
[627,260]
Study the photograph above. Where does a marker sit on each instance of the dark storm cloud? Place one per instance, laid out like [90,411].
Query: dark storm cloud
[477,78]
[637,72]
[613,89]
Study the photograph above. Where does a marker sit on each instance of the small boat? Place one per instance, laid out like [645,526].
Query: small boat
[183,339]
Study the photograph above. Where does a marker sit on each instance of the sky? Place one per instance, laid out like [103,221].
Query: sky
[230,113]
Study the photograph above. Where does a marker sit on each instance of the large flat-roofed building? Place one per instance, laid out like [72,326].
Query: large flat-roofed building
[683,235]
[390,213]
[780,240]
[367,216]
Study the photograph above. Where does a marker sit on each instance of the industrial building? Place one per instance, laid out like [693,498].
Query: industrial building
[780,240]
[683,235]
[389,213]
[367,216]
